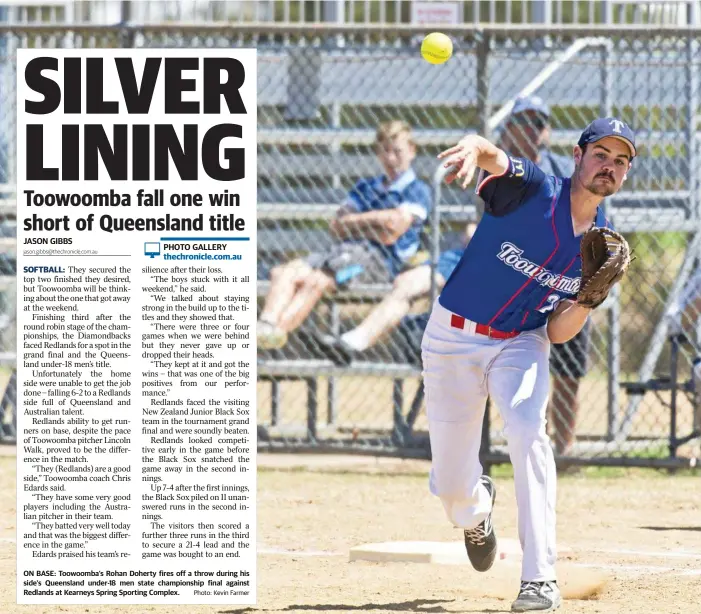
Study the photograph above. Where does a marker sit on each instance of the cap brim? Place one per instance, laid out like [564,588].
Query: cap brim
[630,145]
[633,152]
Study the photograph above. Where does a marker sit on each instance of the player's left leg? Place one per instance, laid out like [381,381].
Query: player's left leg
[518,383]
[453,369]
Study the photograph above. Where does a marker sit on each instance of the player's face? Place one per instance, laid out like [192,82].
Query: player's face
[396,155]
[525,134]
[603,166]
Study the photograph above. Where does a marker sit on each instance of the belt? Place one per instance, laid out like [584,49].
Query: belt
[457,321]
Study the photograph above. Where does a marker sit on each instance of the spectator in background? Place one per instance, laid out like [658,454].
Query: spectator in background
[685,312]
[378,229]
[526,133]
[683,315]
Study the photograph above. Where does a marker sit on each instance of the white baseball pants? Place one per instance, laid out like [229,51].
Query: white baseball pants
[460,369]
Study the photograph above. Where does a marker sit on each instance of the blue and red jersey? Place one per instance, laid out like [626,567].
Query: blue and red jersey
[524,257]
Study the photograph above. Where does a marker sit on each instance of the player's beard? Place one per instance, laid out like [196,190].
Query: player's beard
[599,187]
[602,188]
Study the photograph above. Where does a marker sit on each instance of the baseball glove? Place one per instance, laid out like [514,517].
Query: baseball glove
[605,259]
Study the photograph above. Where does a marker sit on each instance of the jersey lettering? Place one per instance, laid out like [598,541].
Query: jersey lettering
[510,255]
[523,260]
[517,164]
[552,301]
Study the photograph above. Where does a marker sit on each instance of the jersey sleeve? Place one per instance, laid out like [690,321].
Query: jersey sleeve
[503,194]
[416,199]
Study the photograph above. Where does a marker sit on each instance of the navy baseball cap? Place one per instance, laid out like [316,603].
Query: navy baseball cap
[609,126]
[530,103]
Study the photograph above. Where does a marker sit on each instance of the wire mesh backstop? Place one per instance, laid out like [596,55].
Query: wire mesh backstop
[347,376]
[319,104]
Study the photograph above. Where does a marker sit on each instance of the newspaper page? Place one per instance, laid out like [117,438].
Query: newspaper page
[136,214]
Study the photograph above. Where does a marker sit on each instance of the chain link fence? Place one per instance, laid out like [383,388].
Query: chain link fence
[629,380]
[338,362]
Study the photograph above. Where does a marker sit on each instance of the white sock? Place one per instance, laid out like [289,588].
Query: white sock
[356,339]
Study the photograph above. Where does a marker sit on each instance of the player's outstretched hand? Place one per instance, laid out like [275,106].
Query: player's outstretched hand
[462,160]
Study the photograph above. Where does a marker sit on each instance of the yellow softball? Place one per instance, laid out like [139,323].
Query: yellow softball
[436,48]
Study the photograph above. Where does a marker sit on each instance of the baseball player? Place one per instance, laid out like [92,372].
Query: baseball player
[515,291]
[527,134]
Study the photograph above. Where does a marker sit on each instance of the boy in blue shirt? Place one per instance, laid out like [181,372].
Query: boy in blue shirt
[379,230]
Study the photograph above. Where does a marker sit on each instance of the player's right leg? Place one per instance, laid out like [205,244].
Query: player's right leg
[518,383]
[453,369]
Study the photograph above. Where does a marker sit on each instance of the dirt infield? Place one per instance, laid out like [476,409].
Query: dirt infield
[630,542]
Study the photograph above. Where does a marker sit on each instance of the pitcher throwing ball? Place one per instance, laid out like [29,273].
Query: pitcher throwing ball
[542,257]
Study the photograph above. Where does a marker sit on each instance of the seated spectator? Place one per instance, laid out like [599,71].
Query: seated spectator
[378,231]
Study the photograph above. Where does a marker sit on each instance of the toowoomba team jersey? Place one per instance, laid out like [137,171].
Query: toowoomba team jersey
[524,257]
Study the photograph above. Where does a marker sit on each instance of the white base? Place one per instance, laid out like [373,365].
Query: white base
[445,553]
